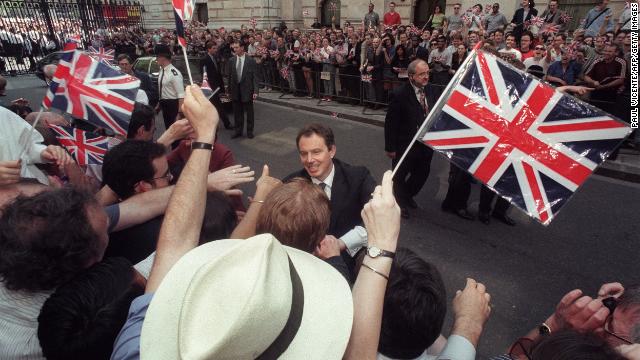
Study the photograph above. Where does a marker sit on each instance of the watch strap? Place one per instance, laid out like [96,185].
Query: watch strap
[201,145]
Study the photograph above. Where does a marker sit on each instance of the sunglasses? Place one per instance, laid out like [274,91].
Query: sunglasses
[539,48]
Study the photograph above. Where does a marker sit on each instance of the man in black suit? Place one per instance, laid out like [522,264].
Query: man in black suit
[408,108]
[146,84]
[242,79]
[210,65]
[348,187]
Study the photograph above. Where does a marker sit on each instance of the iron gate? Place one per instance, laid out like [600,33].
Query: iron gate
[31,29]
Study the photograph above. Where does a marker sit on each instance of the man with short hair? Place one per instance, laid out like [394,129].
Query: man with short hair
[408,108]
[392,18]
[498,38]
[563,72]
[45,240]
[606,75]
[146,85]
[495,20]
[348,187]
[171,89]
[554,16]
[142,124]
[440,62]
[409,329]
[509,50]
[597,18]
[525,45]
[371,18]
[212,66]
[454,21]
[242,82]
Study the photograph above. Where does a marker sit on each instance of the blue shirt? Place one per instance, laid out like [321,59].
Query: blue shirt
[593,26]
[569,76]
[127,345]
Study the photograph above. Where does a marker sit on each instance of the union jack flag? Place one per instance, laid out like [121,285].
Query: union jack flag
[531,144]
[93,91]
[87,148]
[182,11]
[102,55]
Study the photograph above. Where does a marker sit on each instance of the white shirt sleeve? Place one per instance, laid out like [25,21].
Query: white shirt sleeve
[178,83]
[142,98]
[355,239]
[458,348]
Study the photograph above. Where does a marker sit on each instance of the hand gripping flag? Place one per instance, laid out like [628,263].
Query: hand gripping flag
[89,90]
[531,144]
[102,55]
[87,148]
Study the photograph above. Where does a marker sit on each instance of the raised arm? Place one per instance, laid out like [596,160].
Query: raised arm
[183,219]
[381,217]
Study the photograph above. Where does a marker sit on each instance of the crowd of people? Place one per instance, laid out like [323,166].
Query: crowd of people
[157,254]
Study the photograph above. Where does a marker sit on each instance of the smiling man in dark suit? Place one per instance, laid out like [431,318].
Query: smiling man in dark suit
[242,79]
[211,65]
[348,187]
[408,108]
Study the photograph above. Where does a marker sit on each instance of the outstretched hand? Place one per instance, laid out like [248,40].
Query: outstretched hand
[265,184]
[229,177]
[381,216]
[202,115]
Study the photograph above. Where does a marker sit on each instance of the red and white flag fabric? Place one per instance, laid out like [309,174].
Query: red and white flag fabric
[105,56]
[182,12]
[86,148]
[531,144]
[89,90]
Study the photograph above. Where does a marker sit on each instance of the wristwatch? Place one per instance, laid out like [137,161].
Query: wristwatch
[374,252]
[544,329]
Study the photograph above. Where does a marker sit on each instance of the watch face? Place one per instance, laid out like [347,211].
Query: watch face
[374,251]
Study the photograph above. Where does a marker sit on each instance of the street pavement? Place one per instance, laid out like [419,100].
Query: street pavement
[526,268]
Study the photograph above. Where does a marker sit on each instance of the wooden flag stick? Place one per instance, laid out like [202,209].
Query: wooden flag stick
[186,61]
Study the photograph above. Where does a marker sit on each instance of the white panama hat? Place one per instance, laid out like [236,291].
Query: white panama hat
[248,299]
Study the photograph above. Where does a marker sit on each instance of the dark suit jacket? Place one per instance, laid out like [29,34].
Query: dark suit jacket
[213,68]
[404,117]
[147,85]
[351,190]
[242,89]
[519,21]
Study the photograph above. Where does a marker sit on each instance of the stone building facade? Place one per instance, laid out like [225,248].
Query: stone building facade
[302,13]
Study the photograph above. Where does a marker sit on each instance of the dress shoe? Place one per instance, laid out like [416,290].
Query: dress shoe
[484,218]
[250,135]
[404,213]
[412,204]
[236,135]
[464,213]
[505,219]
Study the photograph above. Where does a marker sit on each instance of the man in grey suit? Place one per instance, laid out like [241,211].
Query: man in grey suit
[242,88]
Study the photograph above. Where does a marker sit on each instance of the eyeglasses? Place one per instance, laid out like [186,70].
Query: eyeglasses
[611,303]
[522,347]
[539,48]
[168,176]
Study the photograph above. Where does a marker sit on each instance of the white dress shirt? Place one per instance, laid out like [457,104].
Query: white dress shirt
[241,60]
[355,238]
[13,136]
[171,83]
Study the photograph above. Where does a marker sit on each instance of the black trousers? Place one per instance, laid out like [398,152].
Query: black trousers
[413,173]
[459,189]
[486,199]
[239,108]
[215,100]
[170,109]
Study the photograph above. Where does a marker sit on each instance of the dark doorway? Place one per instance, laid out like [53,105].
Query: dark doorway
[423,10]
[201,13]
[330,9]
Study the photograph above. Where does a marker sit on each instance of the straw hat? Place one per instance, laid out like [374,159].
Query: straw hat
[248,299]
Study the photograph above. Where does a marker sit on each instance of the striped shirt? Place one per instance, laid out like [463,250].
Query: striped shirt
[19,324]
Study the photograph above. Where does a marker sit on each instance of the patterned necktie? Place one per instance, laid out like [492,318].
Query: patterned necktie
[239,67]
[322,186]
[423,101]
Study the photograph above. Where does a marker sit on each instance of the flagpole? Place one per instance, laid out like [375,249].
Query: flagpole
[33,127]
[443,98]
[186,61]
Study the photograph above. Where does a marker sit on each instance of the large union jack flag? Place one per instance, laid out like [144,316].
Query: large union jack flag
[105,56]
[93,91]
[531,144]
[182,11]
[87,148]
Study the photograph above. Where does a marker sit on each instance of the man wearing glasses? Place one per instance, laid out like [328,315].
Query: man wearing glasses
[454,21]
[539,58]
[614,315]
[132,167]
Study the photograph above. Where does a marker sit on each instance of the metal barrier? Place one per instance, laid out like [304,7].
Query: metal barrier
[34,28]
